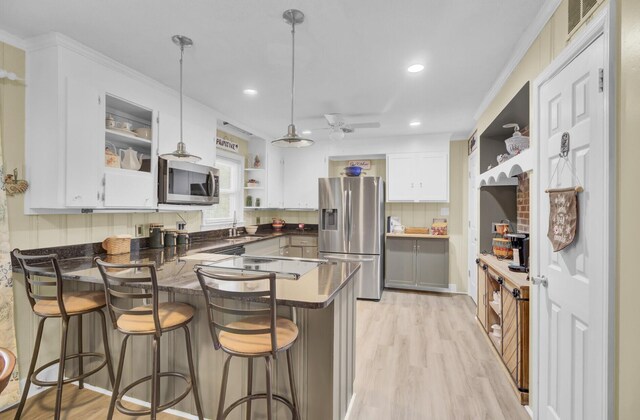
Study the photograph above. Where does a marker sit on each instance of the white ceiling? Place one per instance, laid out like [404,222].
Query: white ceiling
[351,55]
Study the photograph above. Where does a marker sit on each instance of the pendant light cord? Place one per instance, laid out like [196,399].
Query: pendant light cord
[181,57]
[293,66]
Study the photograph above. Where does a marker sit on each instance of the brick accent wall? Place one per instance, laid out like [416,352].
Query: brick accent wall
[523,203]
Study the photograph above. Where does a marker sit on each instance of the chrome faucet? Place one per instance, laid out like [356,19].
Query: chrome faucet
[234,228]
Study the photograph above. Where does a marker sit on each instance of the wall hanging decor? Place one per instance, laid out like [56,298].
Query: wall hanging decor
[563,203]
[12,185]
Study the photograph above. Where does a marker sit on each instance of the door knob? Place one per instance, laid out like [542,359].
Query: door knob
[540,280]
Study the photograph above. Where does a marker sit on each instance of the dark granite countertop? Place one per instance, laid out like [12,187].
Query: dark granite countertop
[314,290]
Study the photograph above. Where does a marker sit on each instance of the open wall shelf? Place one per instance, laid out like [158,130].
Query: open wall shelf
[506,172]
[492,139]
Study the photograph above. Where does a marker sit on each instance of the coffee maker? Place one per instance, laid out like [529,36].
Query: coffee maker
[520,245]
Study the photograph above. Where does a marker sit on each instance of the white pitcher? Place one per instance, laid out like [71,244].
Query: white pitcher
[130,159]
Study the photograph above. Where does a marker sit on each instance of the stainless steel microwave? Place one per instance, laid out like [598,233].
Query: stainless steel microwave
[187,183]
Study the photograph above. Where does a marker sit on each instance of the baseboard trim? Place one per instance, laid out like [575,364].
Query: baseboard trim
[141,403]
[449,290]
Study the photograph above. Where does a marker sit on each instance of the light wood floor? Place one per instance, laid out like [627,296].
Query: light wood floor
[422,356]
[77,404]
[419,356]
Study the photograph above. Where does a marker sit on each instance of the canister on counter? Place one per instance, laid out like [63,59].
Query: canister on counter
[156,238]
[502,248]
[183,237]
[170,237]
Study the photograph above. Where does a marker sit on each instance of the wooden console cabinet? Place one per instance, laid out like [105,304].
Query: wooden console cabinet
[503,299]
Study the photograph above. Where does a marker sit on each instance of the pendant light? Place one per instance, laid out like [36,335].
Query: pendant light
[181,151]
[292,17]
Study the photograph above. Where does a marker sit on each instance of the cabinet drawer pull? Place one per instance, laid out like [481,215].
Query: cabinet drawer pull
[485,267]
[478,261]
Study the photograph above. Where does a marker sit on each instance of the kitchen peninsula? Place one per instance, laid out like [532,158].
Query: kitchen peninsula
[321,302]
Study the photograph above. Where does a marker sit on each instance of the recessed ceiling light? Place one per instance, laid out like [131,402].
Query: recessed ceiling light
[250,92]
[306,132]
[415,123]
[415,68]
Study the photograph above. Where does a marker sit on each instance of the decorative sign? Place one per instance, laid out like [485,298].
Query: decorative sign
[364,164]
[563,217]
[227,145]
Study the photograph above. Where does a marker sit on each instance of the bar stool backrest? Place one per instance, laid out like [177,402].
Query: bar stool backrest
[35,268]
[136,276]
[220,298]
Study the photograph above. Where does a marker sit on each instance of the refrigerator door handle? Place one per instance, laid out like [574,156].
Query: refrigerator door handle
[347,213]
[350,217]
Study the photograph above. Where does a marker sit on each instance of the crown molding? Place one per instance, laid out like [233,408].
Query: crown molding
[10,39]
[524,43]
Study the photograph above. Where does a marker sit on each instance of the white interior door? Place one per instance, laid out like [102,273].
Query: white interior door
[572,310]
[473,228]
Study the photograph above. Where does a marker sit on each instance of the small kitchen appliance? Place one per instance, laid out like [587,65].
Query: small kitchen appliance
[183,182]
[520,245]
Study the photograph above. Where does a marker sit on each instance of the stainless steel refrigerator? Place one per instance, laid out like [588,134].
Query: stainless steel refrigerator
[351,228]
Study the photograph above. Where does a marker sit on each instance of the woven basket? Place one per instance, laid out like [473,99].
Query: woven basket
[119,244]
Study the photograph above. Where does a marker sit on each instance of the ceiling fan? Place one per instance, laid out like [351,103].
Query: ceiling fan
[338,126]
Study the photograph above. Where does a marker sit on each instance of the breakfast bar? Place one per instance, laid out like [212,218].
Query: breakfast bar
[321,302]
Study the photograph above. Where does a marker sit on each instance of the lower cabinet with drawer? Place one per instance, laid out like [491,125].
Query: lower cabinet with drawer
[299,246]
[417,263]
[503,312]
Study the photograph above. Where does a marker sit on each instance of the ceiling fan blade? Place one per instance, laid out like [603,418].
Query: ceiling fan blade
[334,119]
[365,125]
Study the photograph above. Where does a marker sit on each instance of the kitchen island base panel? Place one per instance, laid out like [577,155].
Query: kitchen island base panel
[323,357]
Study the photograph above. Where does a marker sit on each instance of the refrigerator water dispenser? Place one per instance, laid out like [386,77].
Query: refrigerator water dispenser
[329,219]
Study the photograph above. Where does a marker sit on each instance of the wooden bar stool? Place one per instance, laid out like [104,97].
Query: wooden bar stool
[146,320]
[63,305]
[258,333]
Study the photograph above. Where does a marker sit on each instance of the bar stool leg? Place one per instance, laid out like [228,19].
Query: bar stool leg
[292,384]
[32,368]
[154,377]
[223,388]
[116,385]
[63,356]
[249,386]
[107,352]
[80,364]
[192,372]
[269,392]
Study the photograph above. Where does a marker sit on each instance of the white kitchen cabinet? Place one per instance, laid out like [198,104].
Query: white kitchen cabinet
[127,190]
[200,137]
[84,111]
[302,168]
[416,177]
[71,90]
[400,177]
[275,178]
